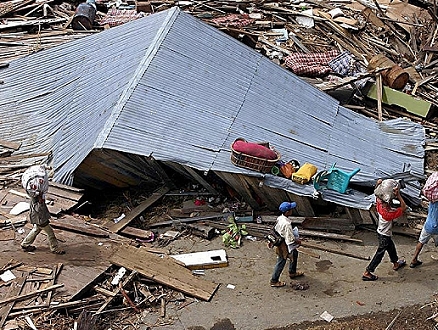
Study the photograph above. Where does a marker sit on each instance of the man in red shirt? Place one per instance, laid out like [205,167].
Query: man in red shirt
[387,214]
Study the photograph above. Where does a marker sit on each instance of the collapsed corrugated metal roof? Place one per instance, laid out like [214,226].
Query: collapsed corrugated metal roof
[174,88]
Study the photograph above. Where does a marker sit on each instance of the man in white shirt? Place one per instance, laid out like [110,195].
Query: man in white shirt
[288,248]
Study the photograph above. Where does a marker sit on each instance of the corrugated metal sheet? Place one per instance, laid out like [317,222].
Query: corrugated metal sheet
[63,97]
[180,90]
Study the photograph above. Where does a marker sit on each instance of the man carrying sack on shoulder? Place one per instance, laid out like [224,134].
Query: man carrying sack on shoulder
[36,184]
[288,248]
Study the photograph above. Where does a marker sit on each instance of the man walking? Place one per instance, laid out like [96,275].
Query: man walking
[387,214]
[36,184]
[430,227]
[288,248]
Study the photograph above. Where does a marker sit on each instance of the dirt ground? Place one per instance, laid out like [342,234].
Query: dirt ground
[403,299]
[245,300]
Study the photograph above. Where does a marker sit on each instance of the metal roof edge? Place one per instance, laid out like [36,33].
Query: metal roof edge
[143,66]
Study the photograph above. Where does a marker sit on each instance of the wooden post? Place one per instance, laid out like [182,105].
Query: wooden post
[379,95]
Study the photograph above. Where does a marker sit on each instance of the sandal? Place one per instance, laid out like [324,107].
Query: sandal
[277,284]
[401,263]
[415,264]
[293,275]
[58,251]
[29,248]
[370,277]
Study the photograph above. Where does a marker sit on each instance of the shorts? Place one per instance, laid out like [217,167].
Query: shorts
[425,237]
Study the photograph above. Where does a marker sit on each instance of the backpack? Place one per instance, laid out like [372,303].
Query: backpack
[274,237]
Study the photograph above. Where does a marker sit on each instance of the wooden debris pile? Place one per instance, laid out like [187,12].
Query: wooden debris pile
[402,33]
[34,300]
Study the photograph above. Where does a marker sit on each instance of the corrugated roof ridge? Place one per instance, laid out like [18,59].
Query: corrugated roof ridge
[143,66]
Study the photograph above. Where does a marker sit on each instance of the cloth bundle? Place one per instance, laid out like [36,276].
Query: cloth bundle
[310,64]
[430,189]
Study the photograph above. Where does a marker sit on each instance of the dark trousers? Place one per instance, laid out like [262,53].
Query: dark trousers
[385,244]
[281,262]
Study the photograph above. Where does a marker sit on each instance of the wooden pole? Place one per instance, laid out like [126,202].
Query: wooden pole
[311,246]
[30,294]
[379,96]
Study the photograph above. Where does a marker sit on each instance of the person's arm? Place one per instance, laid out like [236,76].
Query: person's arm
[403,205]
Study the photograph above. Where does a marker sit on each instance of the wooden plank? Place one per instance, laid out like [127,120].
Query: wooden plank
[42,283]
[330,224]
[66,187]
[64,193]
[66,305]
[30,294]
[390,96]
[164,271]
[312,233]
[139,209]
[136,232]
[379,95]
[10,145]
[78,226]
[56,270]
[37,22]
[201,180]
[105,292]
[241,187]
[187,220]
[201,230]
[14,290]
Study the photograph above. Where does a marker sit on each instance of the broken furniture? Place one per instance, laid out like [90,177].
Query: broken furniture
[334,179]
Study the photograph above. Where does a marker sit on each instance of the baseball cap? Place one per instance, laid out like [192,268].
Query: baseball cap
[286,206]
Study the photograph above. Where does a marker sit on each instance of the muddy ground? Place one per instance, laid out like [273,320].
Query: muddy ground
[403,299]
[245,299]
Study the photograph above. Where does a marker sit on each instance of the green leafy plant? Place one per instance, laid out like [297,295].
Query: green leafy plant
[232,236]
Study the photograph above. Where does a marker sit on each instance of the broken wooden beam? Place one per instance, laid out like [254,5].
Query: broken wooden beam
[30,294]
[139,209]
[164,271]
[116,292]
[80,228]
